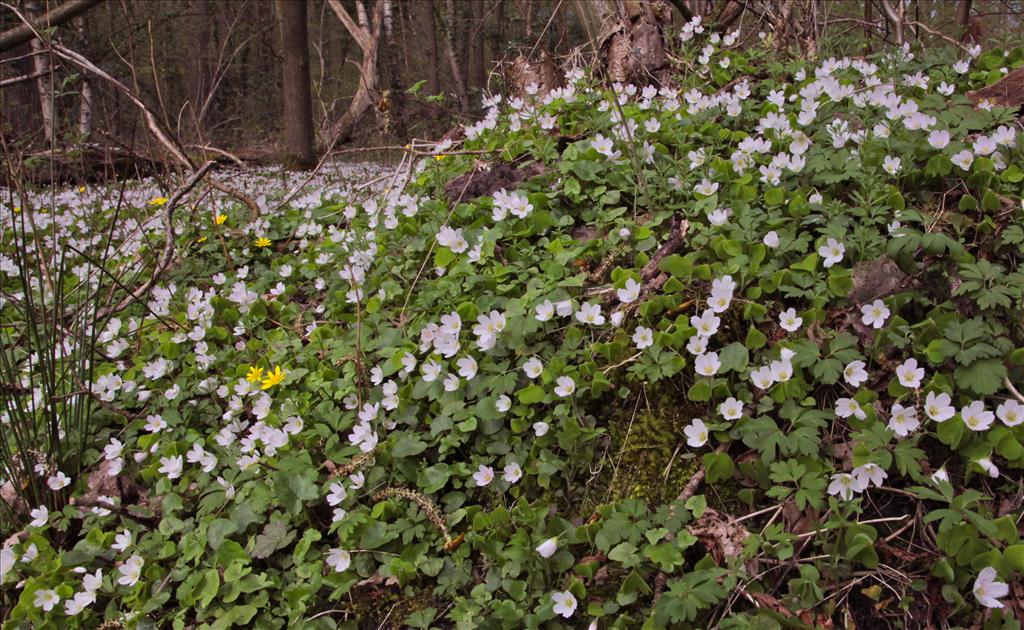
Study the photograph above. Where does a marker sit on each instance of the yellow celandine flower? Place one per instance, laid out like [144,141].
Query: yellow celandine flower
[263,241]
[273,378]
[17,209]
[158,201]
[81,189]
[220,219]
[255,374]
[200,239]
[440,157]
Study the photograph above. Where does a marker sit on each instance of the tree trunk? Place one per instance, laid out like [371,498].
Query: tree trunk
[41,67]
[198,64]
[450,50]
[299,152]
[630,37]
[368,40]
[869,31]
[477,63]
[592,15]
[85,93]
[498,33]
[794,25]
[392,108]
[425,15]
[895,19]
[963,17]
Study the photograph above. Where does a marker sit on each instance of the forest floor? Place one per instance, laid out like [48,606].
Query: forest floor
[264,185]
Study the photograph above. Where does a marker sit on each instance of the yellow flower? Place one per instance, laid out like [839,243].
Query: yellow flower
[273,378]
[220,219]
[200,239]
[158,201]
[81,189]
[17,209]
[255,374]
[440,157]
[263,241]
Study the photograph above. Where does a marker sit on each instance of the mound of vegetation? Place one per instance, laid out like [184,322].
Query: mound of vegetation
[739,352]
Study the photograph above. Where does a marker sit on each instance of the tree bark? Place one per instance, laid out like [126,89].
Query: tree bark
[299,151]
[21,34]
[795,25]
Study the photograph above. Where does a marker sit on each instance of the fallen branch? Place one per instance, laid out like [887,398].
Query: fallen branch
[677,233]
[239,195]
[23,78]
[691,486]
[29,31]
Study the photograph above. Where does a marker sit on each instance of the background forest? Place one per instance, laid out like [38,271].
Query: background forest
[231,75]
[511,314]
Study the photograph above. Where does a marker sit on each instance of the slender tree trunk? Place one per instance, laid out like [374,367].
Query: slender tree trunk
[868,26]
[198,63]
[498,32]
[41,67]
[369,41]
[453,60]
[477,62]
[299,152]
[425,15]
[963,17]
[85,92]
[394,114]
[592,15]
[894,15]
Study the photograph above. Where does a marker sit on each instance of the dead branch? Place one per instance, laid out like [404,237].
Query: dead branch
[239,195]
[924,27]
[168,253]
[30,30]
[23,78]
[693,484]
